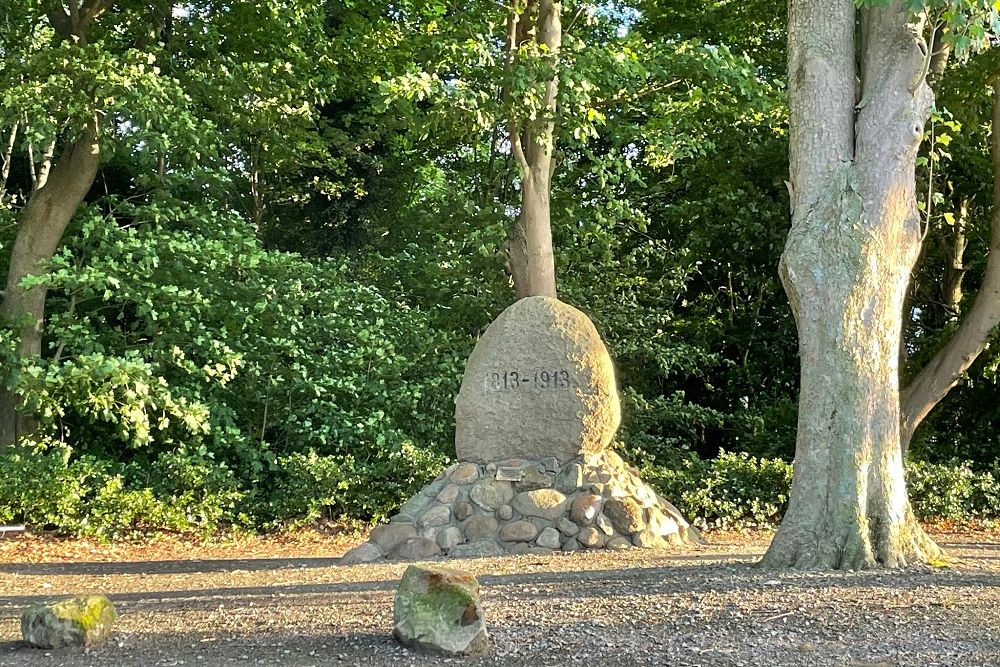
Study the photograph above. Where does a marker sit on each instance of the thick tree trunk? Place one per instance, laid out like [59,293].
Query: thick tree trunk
[855,236]
[40,228]
[936,379]
[529,244]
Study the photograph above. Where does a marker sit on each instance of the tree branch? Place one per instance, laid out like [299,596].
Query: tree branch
[513,132]
[943,372]
[77,21]
[517,149]
[573,20]
[89,12]
[31,166]
[60,20]
[46,166]
[74,13]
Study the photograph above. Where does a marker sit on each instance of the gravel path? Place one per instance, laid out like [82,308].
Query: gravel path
[704,606]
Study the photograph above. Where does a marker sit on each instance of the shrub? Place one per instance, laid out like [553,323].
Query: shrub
[731,490]
[738,490]
[194,380]
[86,495]
[953,491]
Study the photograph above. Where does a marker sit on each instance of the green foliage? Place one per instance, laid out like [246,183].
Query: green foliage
[731,490]
[197,375]
[308,486]
[92,496]
[953,491]
[184,356]
[956,177]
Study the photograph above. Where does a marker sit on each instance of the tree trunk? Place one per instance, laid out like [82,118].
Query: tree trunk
[954,271]
[529,243]
[855,236]
[40,228]
[936,379]
[58,191]
[8,155]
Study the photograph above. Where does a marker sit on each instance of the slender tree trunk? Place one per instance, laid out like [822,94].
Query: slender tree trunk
[942,373]
[940,55]
[529,244]
[954,272]
[40,228]
[8,155]
[31,166]
[45,168]
[257,197]
[855,236]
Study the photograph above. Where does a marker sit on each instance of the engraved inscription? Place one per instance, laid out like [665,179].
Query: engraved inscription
[556,378]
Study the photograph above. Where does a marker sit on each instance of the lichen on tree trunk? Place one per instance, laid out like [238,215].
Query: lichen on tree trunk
[848,507]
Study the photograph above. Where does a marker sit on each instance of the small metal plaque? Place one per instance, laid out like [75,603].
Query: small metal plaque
[506,474]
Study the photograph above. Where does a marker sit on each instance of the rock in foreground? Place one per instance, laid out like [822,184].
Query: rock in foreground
[81,621]
[437,610]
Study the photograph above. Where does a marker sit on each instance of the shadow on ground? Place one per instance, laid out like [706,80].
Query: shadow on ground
[97,568]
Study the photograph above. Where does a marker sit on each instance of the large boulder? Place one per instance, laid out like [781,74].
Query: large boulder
[80,621]
[540,383]
[437,610]
[416,548]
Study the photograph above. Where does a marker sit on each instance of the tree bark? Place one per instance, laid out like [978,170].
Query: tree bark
[529,244]
[943,372]
[45,166]
[855,236]
[40,228]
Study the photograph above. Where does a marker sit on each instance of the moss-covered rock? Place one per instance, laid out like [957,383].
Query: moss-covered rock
[437,610]
[80,621]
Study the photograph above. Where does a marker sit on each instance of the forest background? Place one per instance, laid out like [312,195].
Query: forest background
[260,313]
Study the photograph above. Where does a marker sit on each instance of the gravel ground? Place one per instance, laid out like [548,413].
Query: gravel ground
[704,606]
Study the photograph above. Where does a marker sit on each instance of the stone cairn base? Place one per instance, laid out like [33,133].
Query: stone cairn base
[520,507]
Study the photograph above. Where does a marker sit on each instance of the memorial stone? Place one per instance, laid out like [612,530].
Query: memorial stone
[535,416]
[539,384]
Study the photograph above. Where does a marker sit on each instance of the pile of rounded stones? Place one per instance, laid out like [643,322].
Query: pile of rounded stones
[518,506]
